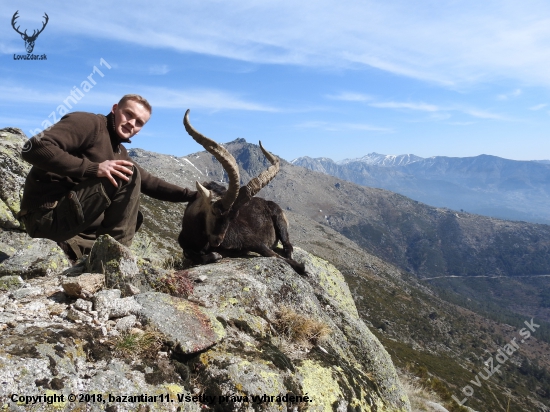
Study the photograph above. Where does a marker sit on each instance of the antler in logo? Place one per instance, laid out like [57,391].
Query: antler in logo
[29,40]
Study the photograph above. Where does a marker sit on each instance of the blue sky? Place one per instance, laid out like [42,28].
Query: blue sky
[338,79]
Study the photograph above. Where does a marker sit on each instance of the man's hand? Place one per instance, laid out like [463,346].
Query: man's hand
[115,168]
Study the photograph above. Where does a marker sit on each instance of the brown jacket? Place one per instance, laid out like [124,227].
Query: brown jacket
[71,151]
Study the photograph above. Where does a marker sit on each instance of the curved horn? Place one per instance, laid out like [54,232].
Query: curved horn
[259,182]
[224,157]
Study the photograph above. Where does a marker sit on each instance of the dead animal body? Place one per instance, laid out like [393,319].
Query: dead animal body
[227,222]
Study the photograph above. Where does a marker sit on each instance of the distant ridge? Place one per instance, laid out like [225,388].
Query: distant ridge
[484,184]
[383,160]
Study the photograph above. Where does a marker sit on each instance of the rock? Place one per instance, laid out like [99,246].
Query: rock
[109,305]
[126,323]
[436,407]
[84,286]
[235,346]
[189,326]
[77,315]
[3,300]
[7,219]
[66,358]
[257,358]
[116,261]
[25,292]
[124,307]
[121,268]
[12,176]
[39,257]
[7,318]
[84,305]
[11,282]
[130,290]
[103,301]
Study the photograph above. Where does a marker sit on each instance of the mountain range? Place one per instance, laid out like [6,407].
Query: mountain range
[501,260]
[442,290]
[485,185]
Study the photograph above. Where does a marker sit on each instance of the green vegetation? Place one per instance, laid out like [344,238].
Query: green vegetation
[138,345]
[444,346]
[499,299]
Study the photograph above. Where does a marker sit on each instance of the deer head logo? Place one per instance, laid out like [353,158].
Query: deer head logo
[29,40]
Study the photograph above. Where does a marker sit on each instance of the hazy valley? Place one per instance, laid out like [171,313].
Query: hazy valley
[486,185]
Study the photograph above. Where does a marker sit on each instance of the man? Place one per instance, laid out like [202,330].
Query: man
[83,184]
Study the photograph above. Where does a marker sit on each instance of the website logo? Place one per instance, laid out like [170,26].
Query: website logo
[29,40]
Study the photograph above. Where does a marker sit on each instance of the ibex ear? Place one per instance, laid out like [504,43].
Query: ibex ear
[203,191]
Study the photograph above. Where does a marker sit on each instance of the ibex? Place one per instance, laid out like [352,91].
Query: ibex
[228,222]
[29,40]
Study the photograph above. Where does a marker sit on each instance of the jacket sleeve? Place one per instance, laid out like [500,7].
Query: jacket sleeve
[55,150]
[162,190]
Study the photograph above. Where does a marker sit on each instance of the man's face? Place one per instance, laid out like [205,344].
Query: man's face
[130,117]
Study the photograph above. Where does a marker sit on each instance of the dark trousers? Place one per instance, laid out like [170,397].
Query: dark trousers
[92,208]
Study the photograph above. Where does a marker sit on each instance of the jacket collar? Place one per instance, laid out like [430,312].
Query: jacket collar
[115,138]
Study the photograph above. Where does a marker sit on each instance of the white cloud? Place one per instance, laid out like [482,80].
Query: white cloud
[461,123]
[404,105]
[538,106]
[350,97]
[482,114]
[340,127]
[511,95]
[159,69]
[210,99]
[439,112]
[447,42]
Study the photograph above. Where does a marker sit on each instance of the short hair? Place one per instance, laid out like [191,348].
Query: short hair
[136,98]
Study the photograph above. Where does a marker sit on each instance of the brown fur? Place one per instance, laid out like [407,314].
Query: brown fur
[255,226]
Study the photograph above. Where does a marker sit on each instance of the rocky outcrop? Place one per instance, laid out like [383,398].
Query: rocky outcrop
[223,343]
[348,368]
[121,333]
[12,175]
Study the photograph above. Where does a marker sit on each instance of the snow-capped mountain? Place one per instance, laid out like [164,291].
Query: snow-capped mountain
[383,160]
[488,185]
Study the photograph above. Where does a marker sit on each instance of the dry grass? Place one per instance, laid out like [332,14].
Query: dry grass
[175,263]
[418,395]
[299,328]
[138,345]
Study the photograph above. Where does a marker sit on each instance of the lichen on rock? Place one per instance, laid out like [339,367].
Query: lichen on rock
[247,294]
[221,343]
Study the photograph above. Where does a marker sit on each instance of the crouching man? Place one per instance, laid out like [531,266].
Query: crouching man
[83,184]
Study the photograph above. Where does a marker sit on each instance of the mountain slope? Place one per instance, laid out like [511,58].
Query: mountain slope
[488,185]
[431,243]
[424,240]
[382,160]
[433,339]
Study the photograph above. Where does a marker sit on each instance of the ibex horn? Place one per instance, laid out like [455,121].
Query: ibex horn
[224,157]
[256,184]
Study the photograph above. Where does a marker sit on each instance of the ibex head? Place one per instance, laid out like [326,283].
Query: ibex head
[29,40]
[220,211]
